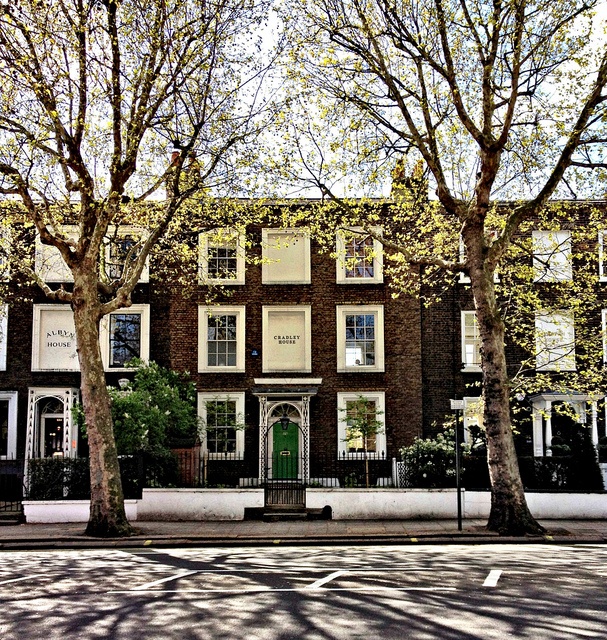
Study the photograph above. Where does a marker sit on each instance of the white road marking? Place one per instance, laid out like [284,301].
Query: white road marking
[260,589]
[492,578]
[40,575]
[319,583]
[148,585]
[580,632]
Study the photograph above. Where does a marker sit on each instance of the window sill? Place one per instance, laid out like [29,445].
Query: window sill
[361,281]
[227,457]
[226,282]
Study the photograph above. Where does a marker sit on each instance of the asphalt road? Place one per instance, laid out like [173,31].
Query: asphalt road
[541,592]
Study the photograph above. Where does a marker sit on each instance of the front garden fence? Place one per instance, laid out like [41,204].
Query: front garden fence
[68,478]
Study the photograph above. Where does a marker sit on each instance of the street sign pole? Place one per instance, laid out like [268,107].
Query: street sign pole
[457,406]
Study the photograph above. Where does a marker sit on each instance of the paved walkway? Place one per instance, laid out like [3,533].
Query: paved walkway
[158,534]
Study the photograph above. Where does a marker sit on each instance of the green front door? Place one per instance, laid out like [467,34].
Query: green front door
[285,454]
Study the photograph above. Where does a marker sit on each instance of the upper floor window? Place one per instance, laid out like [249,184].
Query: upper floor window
[221,257]
[360,338]
[471,342]
[50,265]
[3,335]
[555,341]
[286,254]
[361,434]
[552,256]
[125,336]
[222,416]
[221,335]
[121,247]
[359,258]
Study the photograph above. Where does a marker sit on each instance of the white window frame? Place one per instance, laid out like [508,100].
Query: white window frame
[144,348]
[348,310]
[36,337]
[474,343]
[126,230]
[49,263]
[267,338]
[550,355]
[555,249]
[286,236]
[239,398]
[204,313]
[378,259]
[343,397]
[3,335]
[469,417]
[11,451]
[604,333]
[463,278]
[211,239]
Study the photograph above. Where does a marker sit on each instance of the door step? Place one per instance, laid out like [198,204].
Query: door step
[274,515]
[285,514]
[11,518]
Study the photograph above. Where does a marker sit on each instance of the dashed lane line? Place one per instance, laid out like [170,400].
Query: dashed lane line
[322,581]
[149,585]
[40,575]
[492,578]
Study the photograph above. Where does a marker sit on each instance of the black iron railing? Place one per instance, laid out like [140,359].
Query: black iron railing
[11,485]
[68,478]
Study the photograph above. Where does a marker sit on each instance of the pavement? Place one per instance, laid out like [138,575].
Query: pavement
[295,532]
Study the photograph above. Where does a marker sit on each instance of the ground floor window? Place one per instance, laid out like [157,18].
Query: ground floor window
[8,424]
[473,419]
[361,424]
[222,419]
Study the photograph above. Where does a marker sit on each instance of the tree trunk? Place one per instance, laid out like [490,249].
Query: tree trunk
[107,515]
[509,514]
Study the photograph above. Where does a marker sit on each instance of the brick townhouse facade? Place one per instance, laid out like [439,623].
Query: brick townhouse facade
[292,339]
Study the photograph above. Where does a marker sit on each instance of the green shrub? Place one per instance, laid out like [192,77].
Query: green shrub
[430,462]
[155,411]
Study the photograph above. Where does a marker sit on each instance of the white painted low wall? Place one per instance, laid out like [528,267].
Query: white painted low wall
[346,504]
[197,504]
[47,511]
[386,504]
